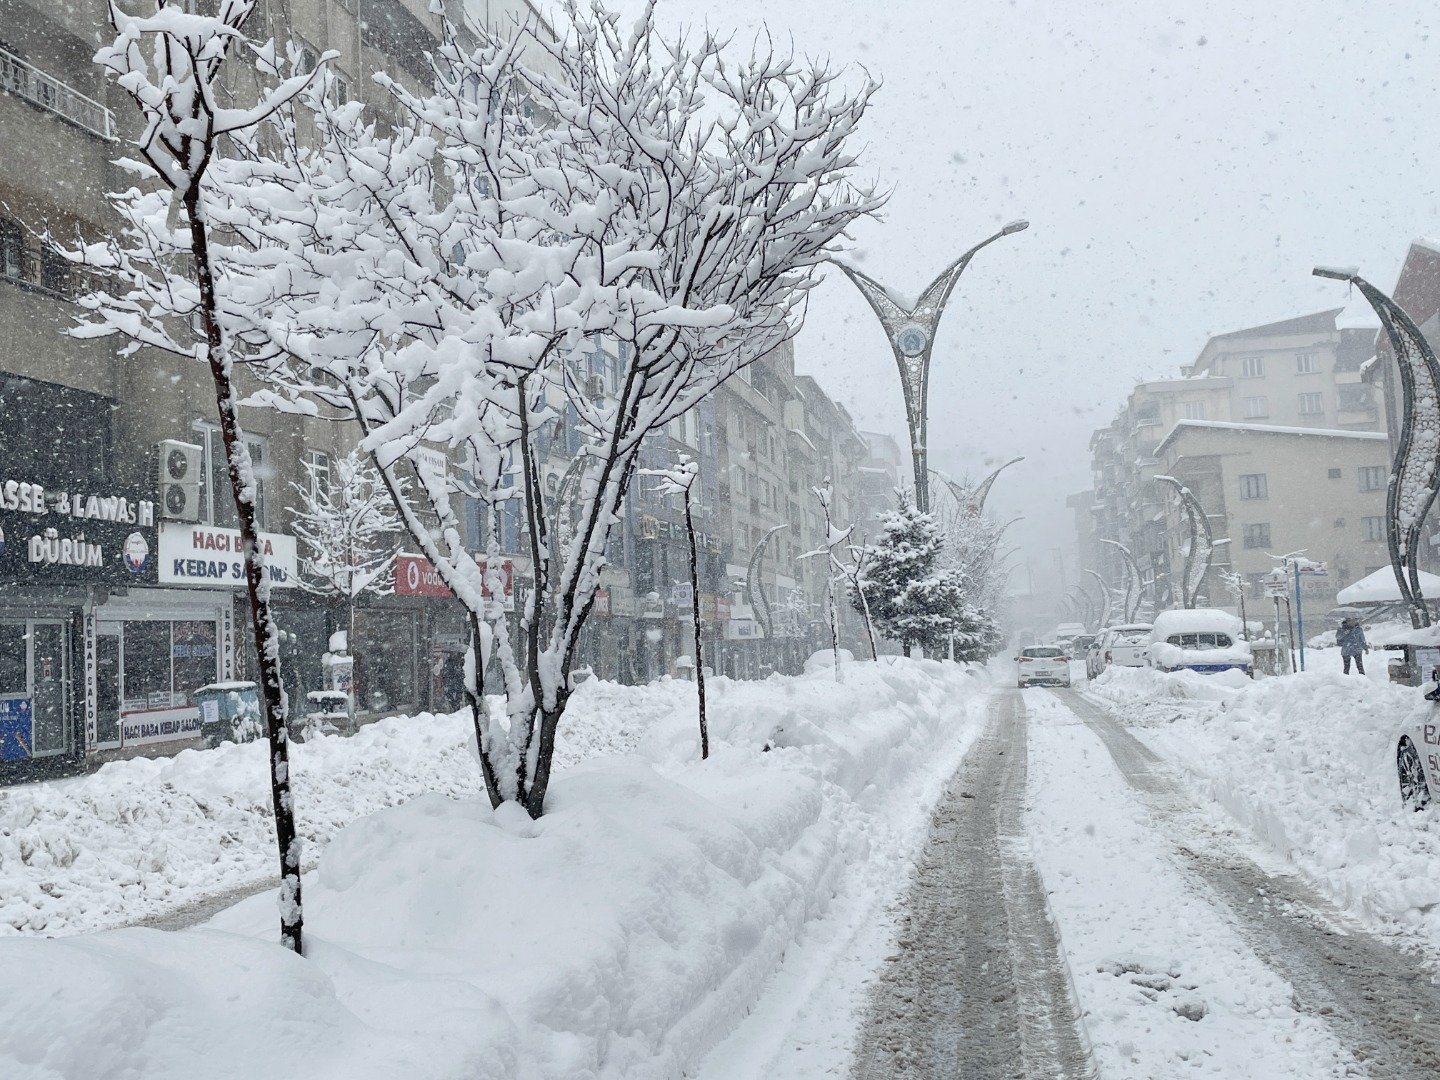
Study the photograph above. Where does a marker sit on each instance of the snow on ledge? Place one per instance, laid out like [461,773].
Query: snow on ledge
[1272,429]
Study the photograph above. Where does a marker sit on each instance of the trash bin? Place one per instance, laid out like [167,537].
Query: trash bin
[229,712]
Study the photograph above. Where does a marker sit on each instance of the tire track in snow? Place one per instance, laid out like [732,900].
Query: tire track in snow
[1383,1004]
[978,988]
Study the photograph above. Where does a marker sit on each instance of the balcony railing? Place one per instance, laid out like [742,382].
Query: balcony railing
[29,82]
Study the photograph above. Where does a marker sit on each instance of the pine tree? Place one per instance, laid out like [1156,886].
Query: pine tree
[914,597]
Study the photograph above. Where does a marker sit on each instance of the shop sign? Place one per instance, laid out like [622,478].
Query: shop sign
[210,557]
[91,683]
[416,575]
[17,727]
[68,537]
[602,602]
[707,607]
[158,720]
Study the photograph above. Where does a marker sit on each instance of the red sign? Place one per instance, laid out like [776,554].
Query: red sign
[415,575]
[602,602]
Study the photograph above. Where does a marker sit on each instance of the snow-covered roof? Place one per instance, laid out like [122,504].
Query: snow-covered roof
[1380,588]
[1272,429]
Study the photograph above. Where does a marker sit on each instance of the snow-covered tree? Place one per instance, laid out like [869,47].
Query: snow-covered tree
[432,283]
[173,296]
[914,596]
[680,480]
[347,528]
[835,540]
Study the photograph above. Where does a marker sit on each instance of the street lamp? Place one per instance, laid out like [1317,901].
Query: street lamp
[912,335]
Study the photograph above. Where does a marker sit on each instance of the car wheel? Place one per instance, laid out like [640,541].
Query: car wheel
[1414,791]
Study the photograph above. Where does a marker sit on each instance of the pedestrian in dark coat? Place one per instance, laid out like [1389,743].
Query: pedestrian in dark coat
[1351,639]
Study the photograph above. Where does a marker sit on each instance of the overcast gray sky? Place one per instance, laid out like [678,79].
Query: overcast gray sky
[1183,166]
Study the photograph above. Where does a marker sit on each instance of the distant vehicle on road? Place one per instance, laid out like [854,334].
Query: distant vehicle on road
[1045,665]
[1127,645]
[1067,632]
[1206,640]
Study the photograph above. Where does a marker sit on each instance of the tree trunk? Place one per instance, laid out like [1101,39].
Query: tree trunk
[695,614]
[267,638]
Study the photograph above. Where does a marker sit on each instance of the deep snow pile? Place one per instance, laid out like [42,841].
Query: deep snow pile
[1307,764]
[621,935]
[140,837]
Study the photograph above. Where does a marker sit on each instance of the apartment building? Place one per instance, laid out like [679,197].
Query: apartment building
[1305,373]
[1272,490]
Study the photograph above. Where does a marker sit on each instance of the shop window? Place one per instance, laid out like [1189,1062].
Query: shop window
[12,250]
[385,659]
[54,435]
[164,662]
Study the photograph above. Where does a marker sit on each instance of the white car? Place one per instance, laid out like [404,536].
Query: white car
[1043,664]
[1206,640]
[1127,645]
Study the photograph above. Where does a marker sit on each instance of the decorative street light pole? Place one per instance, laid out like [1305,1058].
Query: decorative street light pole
[1415,473]
[1200,547]
[1134,581]
[912,334]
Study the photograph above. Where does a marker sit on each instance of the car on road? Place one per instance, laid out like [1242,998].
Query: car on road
[1045,665]
[1206,640]
[1067,632]
[1127,645]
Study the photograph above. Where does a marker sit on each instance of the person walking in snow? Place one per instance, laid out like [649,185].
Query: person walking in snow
[1351,639]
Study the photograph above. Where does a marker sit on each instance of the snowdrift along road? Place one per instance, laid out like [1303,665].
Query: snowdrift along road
[621,935]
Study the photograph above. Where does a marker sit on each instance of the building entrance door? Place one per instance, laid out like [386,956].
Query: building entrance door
[49,682]
[35,669]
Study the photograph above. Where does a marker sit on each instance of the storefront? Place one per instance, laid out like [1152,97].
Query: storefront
[64,554]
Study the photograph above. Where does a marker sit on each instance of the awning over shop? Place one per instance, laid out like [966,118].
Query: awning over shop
[1380,588]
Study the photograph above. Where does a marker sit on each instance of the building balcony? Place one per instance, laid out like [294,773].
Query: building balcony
[35,86]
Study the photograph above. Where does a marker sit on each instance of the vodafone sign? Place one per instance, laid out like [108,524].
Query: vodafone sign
[415,575]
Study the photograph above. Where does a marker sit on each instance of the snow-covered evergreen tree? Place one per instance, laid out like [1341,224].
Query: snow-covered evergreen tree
[914,595]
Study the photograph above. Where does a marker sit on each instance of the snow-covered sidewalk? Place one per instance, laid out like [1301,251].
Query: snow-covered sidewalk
[622,935]
[1305,764]
[142,837]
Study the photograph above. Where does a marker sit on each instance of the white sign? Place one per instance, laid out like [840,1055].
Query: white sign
[207,557]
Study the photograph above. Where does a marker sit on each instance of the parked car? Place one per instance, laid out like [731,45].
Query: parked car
[1206,640]
[1067,632]
[1043,664]
[1127,645]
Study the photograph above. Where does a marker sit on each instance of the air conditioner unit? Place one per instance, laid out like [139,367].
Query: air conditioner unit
[179,489]
[648,527]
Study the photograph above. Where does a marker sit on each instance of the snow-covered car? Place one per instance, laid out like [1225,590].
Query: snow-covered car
[1067,632]
[1206,640]
[1125,646]
[1094,655]
[1045,665]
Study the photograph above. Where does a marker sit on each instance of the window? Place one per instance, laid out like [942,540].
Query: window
[1373,528]
[1256,407]
[1192,410]
[1200,640]
[318,471]
[12,250]
[1372,477]
[1252,367]
[217,503]
[1305,364]
[1335,474]
[1312,404]
[1253,486]
[309,58]
[166,662]
[1256,536]
[1339,523]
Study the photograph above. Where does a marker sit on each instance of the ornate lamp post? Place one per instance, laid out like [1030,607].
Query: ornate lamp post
[1134,581]
[1415,473]
[1201,546]
[912,335]
[1105,604]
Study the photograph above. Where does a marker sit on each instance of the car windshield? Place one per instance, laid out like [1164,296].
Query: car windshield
[1130,637]
[1201,640]
[1042,654]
